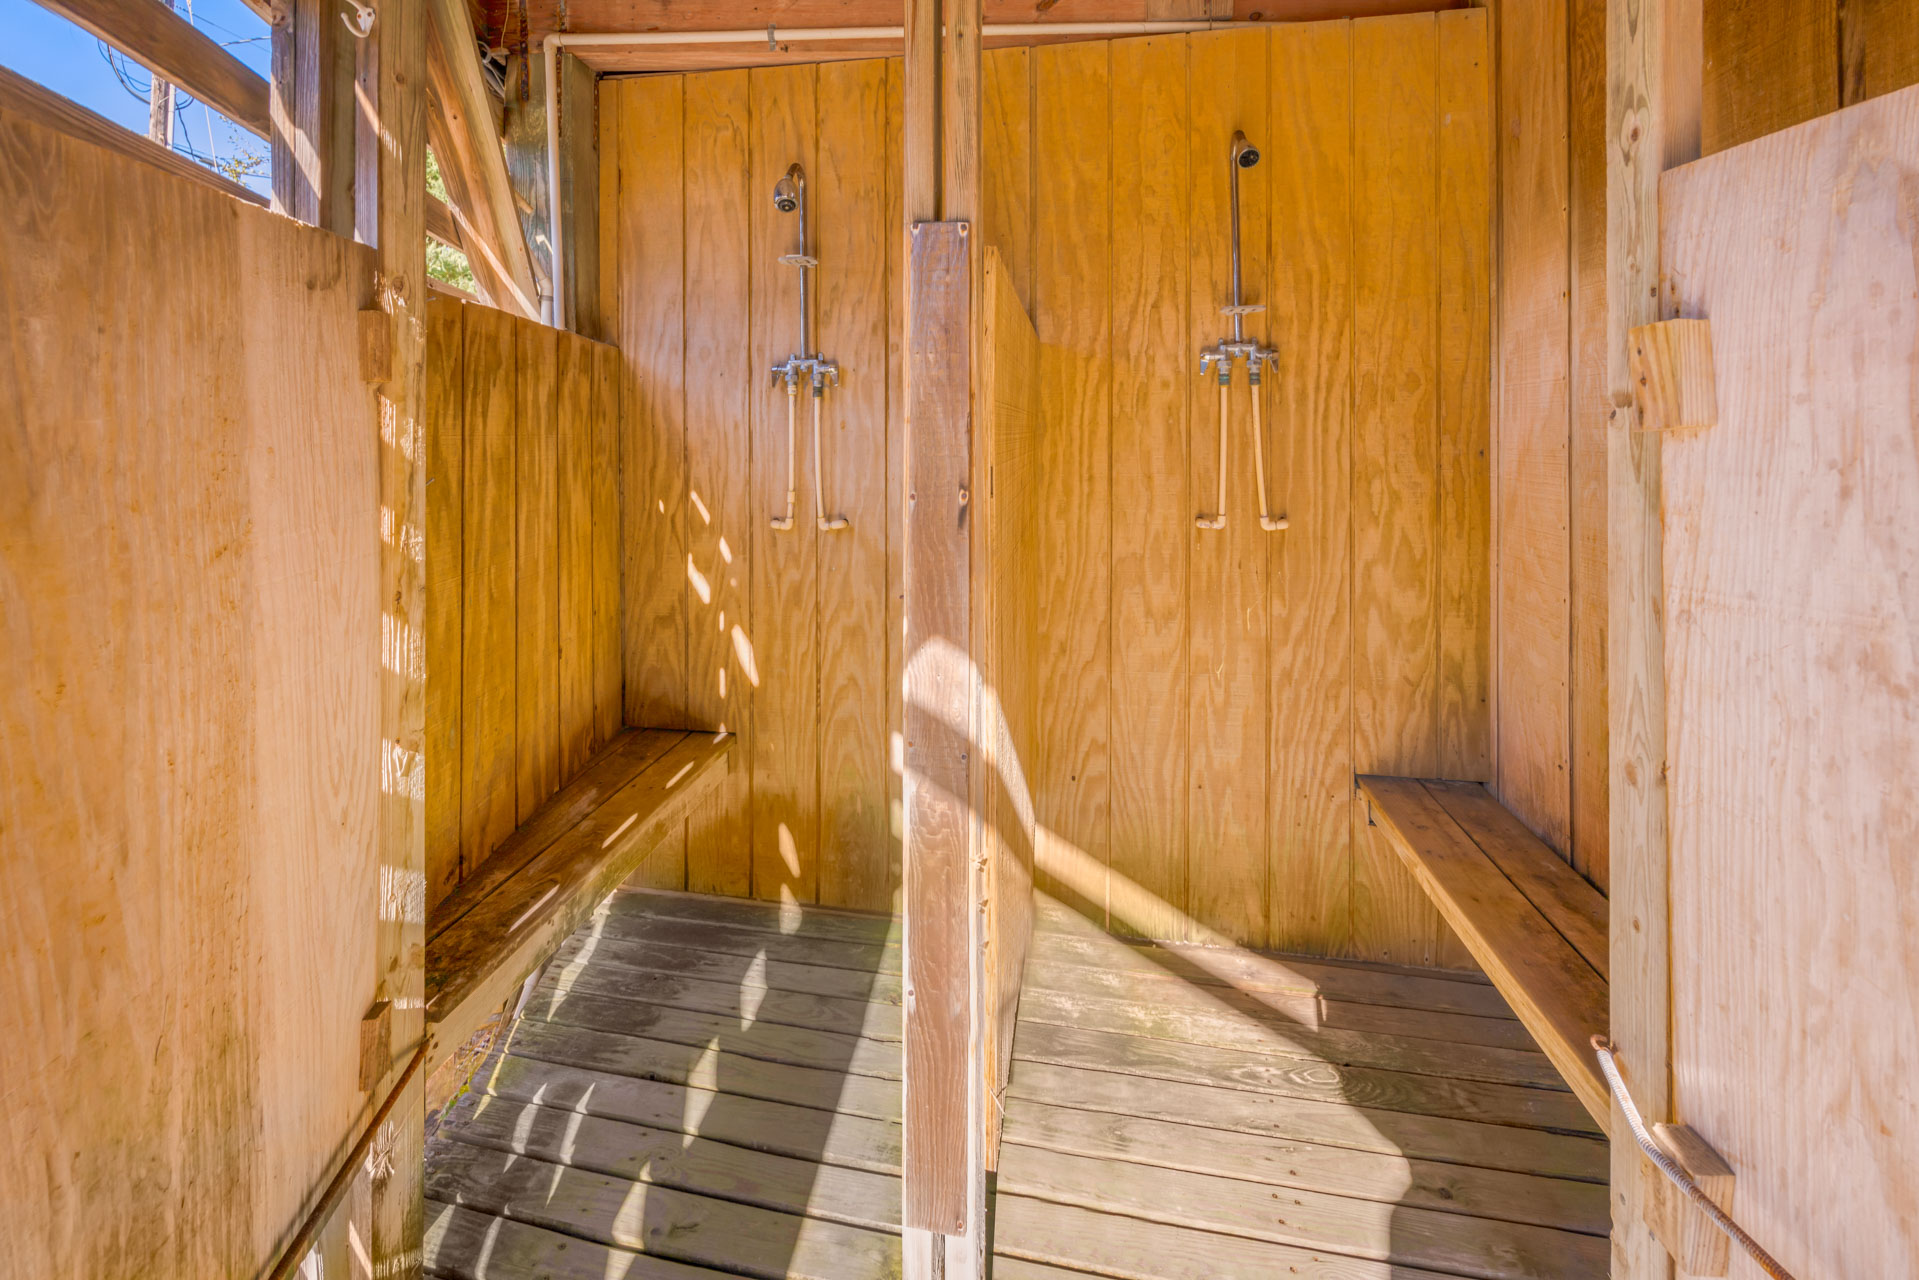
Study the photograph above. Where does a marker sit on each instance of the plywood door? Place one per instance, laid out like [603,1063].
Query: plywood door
[1792,655]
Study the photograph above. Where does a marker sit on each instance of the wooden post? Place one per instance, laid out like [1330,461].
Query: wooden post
[395,67]
[944,1162]
[311,103]
[1654,73]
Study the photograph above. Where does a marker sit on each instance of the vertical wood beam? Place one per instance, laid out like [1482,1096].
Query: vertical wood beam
[398,173]
[945,1095]
[312,110]
[1654,74]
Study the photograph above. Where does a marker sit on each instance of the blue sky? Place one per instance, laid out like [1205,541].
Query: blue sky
[51,50]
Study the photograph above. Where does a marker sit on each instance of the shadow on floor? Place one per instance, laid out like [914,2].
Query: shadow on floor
[709,1082]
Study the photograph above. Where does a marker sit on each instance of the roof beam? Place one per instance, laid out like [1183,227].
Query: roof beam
[171,47]
[474,164]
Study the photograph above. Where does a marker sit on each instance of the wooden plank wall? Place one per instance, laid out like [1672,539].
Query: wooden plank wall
[1769,64]
[1772,64]
[1793,733]
[788,638]
[1549,435]
[190,769]
[523,593]
[1007,611]
[1210,694]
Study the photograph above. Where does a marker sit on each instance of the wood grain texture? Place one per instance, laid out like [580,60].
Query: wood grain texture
[393,183]
[855,227]
[1530,469]
[1878,48]
[536,554]
[1006,164]
[1233,1207]
[1396,466]
[609,110]
[785,580]
[1092,342]
[1788,665]
[481,959]
[1227,659]
[1555,992]
[1009,710]
[1653,89]
[1576,909]
[652,455]
[1311,407]
[1769,65]
[1465,264]
[445,419]
[940,692]
[612,406]
[515,430]
[576,385]
[1590,402]
[1150,749]
[1071,311]
[191,725]
[720,528]
[1672,373]
[1283,1162]
[488,585]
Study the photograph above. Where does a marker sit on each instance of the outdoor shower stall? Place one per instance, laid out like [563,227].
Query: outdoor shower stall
[1030,641]
[1213,677]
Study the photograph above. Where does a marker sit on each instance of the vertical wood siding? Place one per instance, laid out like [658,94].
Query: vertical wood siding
[788,638]
[1206,696]
[523,660]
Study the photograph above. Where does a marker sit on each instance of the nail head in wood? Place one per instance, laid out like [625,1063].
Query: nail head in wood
[1672,374]
[376,1044]
[376,346]
[1698,1247]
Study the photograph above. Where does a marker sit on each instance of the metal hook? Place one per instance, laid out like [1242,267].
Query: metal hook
[361,24]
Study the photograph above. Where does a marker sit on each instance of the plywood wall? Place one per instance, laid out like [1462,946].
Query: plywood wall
[523,590]
[788,638]
[1208,695]
[1792,649]
[190,762]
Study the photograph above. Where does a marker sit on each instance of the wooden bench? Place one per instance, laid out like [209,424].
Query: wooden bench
[506,920]
[1534,924]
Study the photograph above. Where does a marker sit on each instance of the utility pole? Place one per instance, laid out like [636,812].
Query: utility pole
[160,106]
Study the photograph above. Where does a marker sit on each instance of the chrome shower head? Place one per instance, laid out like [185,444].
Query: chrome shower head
[788,192]
[1245,154]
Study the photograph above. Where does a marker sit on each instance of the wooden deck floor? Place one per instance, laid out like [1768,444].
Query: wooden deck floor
[1189,1114]
[699,1087]
[705,1087]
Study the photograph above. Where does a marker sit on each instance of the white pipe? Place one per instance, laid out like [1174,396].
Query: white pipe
[557,40]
